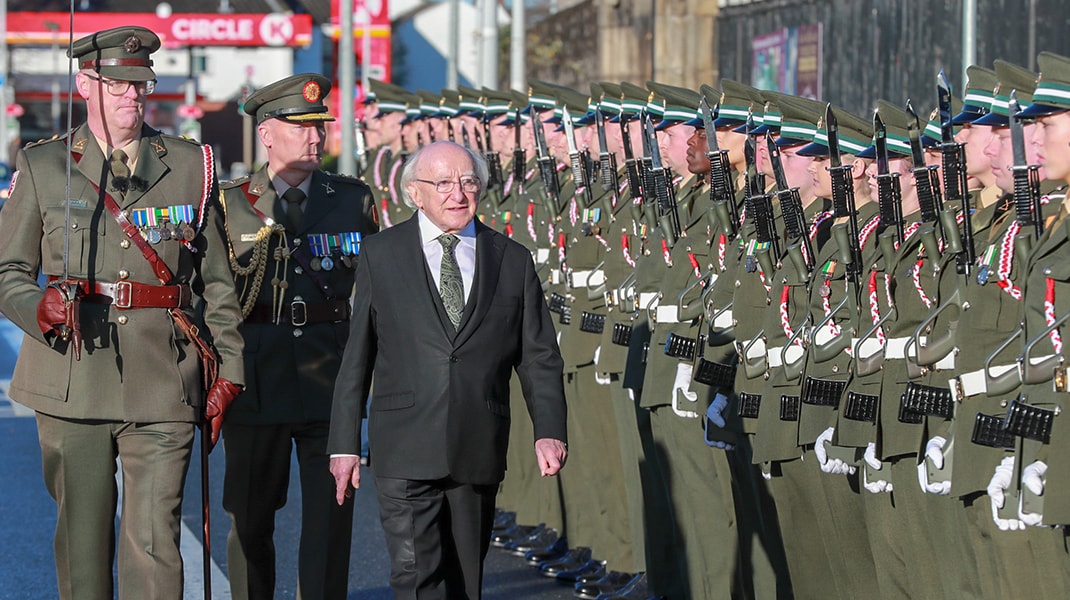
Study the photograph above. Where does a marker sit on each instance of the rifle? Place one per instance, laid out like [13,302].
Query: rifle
[953,155]
[843,199]
[791,208]
[759,205]
[631,165]
[494,159]
[464,137]
[1026,176]
[449,128]
[925,177]
[720,169]
[547,168]
[520,159]
[607,160]
[580,173]
[889,194]
[661,183]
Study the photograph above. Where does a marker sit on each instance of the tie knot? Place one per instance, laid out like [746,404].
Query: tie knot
[294,196]
[448,241]
[118,155]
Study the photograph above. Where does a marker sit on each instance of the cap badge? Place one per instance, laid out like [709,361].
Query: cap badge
[132,44]
[311,91]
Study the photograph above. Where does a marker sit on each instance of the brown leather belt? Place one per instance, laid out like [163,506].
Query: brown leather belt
[131,294]
[300,313]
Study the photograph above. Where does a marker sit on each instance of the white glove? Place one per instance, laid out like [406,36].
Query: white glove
[1001,480]
[681,387]
[600,378]
[877,486]
[835,466]
[1033,480]
[934,453]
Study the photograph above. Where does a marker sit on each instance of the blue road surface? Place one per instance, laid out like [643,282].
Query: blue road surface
[27,570]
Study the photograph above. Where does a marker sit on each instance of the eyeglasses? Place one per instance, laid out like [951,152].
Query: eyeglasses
[444,186]
[118,87]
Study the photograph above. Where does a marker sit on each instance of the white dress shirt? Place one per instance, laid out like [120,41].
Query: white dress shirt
[464,251]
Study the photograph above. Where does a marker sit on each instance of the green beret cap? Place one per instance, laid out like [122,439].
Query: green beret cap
[296,99]
[120,53]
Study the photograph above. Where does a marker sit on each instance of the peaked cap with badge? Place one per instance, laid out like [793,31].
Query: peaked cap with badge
[296,99]
[121,53]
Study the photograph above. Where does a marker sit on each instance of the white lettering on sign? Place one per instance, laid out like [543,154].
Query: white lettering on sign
[222,29]
[276,29]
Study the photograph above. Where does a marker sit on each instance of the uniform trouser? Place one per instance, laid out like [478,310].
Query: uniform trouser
[534,498]
[255,487]
[633,459]
[800,500]
[592,487]
[846,534]
[699,483]
[78,460]
[763,568]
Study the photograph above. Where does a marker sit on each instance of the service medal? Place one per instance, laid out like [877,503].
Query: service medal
[327,263]
[154,236]
[316,263]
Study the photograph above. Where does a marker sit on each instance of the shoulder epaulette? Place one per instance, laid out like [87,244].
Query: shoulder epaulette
[54,138]
[168,136]
[337,177]
[233,183]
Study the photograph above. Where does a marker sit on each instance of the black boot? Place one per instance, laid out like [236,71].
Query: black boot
[611,582]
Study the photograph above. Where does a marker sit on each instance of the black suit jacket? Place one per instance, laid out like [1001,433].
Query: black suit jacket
[441,401]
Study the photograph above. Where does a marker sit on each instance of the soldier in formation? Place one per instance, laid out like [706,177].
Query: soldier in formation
[797,340]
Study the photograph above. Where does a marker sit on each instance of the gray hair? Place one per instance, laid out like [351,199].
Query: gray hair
[408,172]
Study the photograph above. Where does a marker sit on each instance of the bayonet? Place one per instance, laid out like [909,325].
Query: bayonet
[464,136]
[361,149]
[664,191]
[791,208]
[449,128]
[520,159]
[607,160]
[759,205]
[925,177]
[889,194]
[631,165]
[953,155]
[547,168]
[720,170]
[843,198]
[580,179]
[1026,176]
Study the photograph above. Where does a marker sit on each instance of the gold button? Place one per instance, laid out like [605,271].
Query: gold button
[123,274]
[74,225]
[298,270]
[124,244]
[122,319]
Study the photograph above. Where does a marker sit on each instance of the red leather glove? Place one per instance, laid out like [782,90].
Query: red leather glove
[220,396]
[51,311]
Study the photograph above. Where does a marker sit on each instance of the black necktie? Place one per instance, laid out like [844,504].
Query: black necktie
[451,285]
[293,199]
[120,171]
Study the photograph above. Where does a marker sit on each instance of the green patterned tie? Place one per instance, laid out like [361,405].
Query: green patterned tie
[451,286]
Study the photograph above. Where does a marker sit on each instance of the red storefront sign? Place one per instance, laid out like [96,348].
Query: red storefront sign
[177,30]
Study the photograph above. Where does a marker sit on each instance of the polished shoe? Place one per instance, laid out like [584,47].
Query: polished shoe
[550,552]
[540,538]
[571,560]
[503,520]
[636,589]
[589,571]
[610,582]
[501,538]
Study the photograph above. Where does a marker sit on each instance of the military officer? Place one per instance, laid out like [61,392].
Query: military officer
[294,233]
[382,128]
[110,375]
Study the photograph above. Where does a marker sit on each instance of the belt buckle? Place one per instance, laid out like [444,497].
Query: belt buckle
[124,294]
[298,312]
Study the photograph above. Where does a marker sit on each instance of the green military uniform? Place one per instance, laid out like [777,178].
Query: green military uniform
[295,280]
[136,389]
[384,170]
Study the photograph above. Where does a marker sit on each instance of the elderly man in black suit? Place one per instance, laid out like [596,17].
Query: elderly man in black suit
[446,308]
